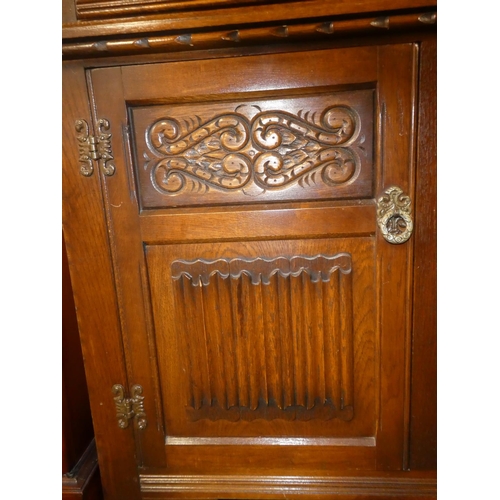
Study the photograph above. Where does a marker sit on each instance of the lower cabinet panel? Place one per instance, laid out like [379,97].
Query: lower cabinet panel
[267,356]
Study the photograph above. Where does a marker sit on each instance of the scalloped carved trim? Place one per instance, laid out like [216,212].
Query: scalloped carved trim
[261,270]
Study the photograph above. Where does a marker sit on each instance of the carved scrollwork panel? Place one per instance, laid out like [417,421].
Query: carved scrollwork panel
[295,148]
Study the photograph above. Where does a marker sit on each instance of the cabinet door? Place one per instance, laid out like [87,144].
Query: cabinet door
[264,314]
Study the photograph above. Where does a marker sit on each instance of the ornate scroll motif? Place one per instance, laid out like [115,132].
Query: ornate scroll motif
[266,338]
[126,408]
[394,215]
[209,155]
[294,148]
[104,148]
[94,148]
[138,406]
[84,148]
[123,406]
[271,151]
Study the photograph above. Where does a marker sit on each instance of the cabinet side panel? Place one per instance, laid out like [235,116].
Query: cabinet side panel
[77,421]
[423,423]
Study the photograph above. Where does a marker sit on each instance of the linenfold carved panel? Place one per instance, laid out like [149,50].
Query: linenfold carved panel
[293,148]
[298,311]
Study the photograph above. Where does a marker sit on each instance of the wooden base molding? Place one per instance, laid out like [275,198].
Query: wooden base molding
[401,486]
[83,481]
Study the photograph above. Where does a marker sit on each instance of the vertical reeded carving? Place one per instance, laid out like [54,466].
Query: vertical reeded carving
[267,338]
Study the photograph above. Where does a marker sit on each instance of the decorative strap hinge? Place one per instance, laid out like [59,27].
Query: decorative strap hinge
[94,148]
[129,408]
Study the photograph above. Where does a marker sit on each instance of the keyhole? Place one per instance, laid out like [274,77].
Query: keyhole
[396,225]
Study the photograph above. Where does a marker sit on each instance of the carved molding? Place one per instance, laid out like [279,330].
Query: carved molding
[410,484]
[233,313]
[271,151]
[320,410]
[328,29]
[261,270]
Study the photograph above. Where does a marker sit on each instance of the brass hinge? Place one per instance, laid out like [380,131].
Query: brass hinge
[94,148]
[129,408]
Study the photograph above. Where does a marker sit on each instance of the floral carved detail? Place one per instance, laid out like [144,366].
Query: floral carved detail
[209,155]
[272,150]
[294,148]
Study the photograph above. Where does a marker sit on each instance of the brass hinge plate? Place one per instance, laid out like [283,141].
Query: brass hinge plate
[130,408]
[94,148]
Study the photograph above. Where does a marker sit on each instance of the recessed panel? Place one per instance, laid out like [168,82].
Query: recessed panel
[255,341]
[250,151]
[257,327]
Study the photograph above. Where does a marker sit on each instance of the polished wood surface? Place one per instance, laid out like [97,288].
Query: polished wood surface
[194,20]
[80,473]
[77,421]
[264,336]
[94,293]
[423,431]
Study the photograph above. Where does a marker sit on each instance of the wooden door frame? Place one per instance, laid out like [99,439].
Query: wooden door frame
[87,245]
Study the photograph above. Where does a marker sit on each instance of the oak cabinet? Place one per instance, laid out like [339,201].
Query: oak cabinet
[80,472]
[246,230]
